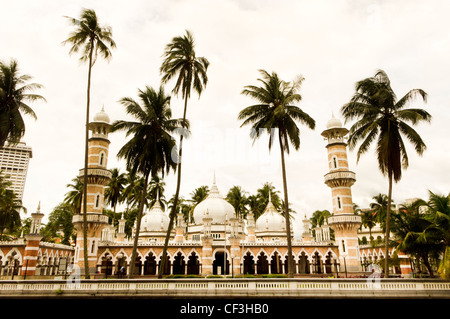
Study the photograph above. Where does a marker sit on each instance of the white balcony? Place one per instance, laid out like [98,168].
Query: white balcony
[91,218]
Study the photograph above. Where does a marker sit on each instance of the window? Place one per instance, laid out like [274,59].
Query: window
[97,201]
[102,159]
[339,203]
[343,246]
[335,165]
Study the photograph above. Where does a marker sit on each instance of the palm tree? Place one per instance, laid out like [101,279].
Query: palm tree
[276,110]
[75,195]
[368,218]
[197,196]
[14,97]
[319,218]
[439,217]
[180,59]
[379,208]
[156,192]
[150,147]
[114,190]
[10,208]
[408,226]
[380,116]
[133,189]
[237,198]
[92,40]
[266,192]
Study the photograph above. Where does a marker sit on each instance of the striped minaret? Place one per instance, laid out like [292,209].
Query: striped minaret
[98,176]
[33,239]
[340,179]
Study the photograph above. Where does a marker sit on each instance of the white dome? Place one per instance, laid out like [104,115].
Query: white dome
[216,206]
[102,117]
[270,221]
[334,123]
[155,220]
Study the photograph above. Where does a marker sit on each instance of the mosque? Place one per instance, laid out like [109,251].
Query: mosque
[215,242]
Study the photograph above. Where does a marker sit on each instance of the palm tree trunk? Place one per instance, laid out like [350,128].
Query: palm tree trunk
[85,177]
[138,227]
[175,200]
[387,235]
[286,210]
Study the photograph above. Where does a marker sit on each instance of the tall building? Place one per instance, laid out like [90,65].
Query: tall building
[14,161]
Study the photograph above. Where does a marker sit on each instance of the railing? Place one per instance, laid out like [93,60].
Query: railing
[96,218]
[238,287]
[340,175]
[344,219]
[97,171]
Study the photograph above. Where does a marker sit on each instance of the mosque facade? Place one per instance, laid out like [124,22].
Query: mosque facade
[215,241]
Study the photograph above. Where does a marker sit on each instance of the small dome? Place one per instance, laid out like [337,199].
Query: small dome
[102,116]
[271,220]
[334,123]
[155,220]
[216,206]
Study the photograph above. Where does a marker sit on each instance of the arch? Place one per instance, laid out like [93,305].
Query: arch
[106,263]
[275,263]
[328,262]
[317,262]
[167,264]
[193,264]
[262,264]
[221,259]
[248,260]
[303,263]
[150,263]
[179,263]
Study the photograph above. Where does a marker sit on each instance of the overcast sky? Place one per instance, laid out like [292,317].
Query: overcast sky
[333,44]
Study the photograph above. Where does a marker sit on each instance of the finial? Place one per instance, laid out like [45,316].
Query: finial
[39,207]
[270,196]
[214,180]
[103,108]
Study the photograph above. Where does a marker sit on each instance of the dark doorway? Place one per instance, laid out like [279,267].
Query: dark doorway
[166,270]
[150,265]
[275,264]
[249,264]
[262,265]
[179,264]
[193,265]
[218,264]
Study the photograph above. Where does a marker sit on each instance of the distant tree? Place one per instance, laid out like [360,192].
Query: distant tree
[74,195]
[60,219]
[114,190]
[237,198]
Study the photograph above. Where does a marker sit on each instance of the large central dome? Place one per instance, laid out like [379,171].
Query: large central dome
[215,206]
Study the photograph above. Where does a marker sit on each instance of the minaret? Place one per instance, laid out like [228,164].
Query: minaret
[98,177]
[340,179]
[33,239]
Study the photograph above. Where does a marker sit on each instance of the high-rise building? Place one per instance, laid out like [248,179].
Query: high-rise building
[14,161]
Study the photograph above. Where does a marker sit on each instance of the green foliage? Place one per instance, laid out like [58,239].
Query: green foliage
[59,224]
[14,97]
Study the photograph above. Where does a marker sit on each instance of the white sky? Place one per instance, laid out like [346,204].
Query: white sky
[333,44]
